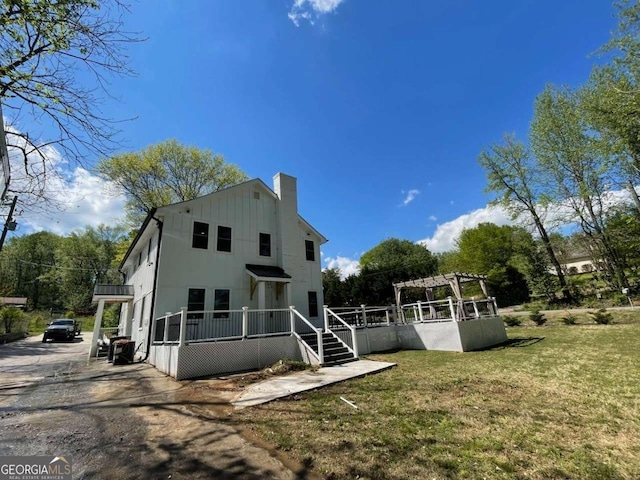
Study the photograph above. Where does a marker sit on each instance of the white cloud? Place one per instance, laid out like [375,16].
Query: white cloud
[347,266]
[556,215]
[446,234]
[54,197]
[411,195]
[83,199]
[310,10]
[433,218]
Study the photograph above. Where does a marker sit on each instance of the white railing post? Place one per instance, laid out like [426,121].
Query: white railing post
[165,337]
[475,307]
[326,317]
[183,326]
[364,316]
[292,318]
[420,311]
[354,341]
[245,321]
[452,309]
[495,306]
[388,317]
[320,346]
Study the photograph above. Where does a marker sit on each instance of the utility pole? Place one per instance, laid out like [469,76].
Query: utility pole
[9,224]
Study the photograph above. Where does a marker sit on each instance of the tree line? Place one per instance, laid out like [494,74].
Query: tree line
[583,145]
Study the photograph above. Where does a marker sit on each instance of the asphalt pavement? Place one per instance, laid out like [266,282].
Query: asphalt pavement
[126,421]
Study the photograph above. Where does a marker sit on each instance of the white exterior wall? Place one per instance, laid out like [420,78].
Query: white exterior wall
[142,278]
[248,209]
[183,267]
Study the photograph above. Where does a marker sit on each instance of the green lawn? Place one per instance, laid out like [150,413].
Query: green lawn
[562,402]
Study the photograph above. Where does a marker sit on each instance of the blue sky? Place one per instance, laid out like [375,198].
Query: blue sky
[379,108]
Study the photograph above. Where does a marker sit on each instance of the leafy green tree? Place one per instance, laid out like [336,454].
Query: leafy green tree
[334,288]
[612,96]
[568,152]
[46,48]
[25,266]
[513,174]
[490,249]
[166,173]
[85,258]
[12,320]
[391,261]
[610,105]
[623,227]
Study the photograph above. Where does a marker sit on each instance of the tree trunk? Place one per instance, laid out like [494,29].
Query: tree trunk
[566,293]
[611,257]
[634,194]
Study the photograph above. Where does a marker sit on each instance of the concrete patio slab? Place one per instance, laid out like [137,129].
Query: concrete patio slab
[280,387]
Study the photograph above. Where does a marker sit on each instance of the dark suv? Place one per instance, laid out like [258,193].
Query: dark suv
[62,329]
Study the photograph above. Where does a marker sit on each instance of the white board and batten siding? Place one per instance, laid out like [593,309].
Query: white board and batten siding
[140,270]
[249,209]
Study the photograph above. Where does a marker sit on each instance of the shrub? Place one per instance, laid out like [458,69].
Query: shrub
[601,316]
[538,318]
[511,321]
[13,320]
[569,319]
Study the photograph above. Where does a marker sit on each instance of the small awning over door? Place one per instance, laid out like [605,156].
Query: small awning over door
[261,274]
[267,273]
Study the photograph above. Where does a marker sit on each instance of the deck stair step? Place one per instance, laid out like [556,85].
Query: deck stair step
[335,353]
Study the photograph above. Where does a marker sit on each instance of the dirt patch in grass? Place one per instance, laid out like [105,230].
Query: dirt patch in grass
[280,368]
[565,406]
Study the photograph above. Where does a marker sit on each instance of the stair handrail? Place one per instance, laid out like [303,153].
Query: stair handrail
[327,312]
[320,355]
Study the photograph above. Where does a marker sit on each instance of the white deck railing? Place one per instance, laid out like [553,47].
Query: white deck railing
[340,329]
[449,310]
[364,316]
[301,326]
[215,325]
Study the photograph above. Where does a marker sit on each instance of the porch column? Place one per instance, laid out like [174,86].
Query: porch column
[287,289]
[96,329]
[261,295]
[128,321]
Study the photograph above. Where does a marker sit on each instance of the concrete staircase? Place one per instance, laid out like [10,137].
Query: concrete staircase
[335,353]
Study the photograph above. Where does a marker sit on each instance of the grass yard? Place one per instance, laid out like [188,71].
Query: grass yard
[562,402]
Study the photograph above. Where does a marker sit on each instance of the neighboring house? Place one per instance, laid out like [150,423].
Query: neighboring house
[244,246]
[577,262]
[17,302]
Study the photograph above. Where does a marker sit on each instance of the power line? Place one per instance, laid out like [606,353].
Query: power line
[59,267]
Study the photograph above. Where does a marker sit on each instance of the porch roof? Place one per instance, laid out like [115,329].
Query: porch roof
[267,273]
[112,293]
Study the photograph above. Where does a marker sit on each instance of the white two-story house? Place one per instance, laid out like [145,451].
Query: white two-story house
[244,246]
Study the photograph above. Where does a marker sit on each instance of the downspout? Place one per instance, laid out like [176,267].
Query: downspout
[153,293]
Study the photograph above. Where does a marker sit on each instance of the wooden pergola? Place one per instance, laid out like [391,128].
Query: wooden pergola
[453,280]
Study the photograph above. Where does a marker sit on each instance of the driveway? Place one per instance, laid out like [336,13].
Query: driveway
[124,421]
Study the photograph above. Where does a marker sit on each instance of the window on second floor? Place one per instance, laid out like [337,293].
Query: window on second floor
[200,235]
[310,250]
[224,239]
[265,245]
